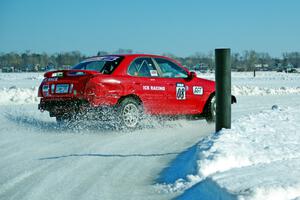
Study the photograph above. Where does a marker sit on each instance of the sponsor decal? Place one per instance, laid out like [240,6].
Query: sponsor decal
[102,58]
[110,58]
[154,88]
[52,79]
[153,73]
[57,74]
[180,91]
[198,90]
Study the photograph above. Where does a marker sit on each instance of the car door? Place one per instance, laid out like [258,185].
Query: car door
[147,85]
[179,89]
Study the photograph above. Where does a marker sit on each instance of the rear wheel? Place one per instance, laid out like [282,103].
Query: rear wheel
[211,110]
[130,113]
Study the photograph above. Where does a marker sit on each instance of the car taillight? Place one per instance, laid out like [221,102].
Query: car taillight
[45,90]
[71,88]
[52,88]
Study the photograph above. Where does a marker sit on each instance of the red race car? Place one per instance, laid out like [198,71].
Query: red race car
[129,86]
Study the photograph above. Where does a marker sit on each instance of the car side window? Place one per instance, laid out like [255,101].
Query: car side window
[142,67]
[170,69]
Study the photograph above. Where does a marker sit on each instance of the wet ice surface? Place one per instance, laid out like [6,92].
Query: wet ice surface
[41,160]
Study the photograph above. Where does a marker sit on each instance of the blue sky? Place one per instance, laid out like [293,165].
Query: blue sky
[181,27]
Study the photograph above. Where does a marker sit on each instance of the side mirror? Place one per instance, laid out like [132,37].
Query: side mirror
[192,75]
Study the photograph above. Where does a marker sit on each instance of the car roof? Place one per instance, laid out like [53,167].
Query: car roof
[133,56]
[129,55]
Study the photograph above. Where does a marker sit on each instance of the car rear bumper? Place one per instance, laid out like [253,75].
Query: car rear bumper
[65,104]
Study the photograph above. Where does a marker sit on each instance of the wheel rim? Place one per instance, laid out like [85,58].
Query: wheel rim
[130,115]
[213,107]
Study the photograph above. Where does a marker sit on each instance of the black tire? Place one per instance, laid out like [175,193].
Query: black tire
[130,112]
[210,115]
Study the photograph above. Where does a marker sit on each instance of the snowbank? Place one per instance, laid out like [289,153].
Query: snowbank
[17,95]
[262,80]
[21,76]
[14,95]
[20,88]
[257,159]
[20,80]
[255,91]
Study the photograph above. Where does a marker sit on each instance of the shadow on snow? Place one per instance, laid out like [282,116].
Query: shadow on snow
[185,164]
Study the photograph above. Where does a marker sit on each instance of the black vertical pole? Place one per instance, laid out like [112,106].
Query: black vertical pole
[223,89]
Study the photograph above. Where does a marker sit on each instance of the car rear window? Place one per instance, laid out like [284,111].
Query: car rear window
[102,64]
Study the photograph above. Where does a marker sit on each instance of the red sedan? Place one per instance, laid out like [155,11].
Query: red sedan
[131,86]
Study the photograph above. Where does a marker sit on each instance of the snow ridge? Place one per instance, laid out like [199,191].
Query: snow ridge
[15,95]
[257,159]
[261,91]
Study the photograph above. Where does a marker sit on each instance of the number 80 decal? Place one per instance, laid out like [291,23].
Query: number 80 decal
[180,91]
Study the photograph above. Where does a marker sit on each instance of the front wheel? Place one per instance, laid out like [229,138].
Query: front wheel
[130,113]
[211,110]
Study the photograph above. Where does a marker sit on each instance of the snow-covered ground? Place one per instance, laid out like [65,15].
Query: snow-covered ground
[19,88]
[40,160]
[257,159]
[20,80]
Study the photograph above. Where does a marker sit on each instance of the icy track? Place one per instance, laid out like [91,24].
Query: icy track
[40,160]
[256,159]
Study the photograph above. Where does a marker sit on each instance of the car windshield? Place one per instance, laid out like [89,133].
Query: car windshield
[102,64]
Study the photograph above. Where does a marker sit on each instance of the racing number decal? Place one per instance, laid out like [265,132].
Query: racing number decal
[180,91]
[198,90]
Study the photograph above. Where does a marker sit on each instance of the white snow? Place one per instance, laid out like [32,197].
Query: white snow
[264,83]
[14,95]
[256,91]
[261,138]
[262,79]
[19,88]
[41,160]
[20,80]
[257,159]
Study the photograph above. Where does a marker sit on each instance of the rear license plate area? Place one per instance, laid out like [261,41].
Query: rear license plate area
[62,89]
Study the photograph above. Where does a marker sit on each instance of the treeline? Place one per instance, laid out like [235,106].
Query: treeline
[245,61]
[28,61]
